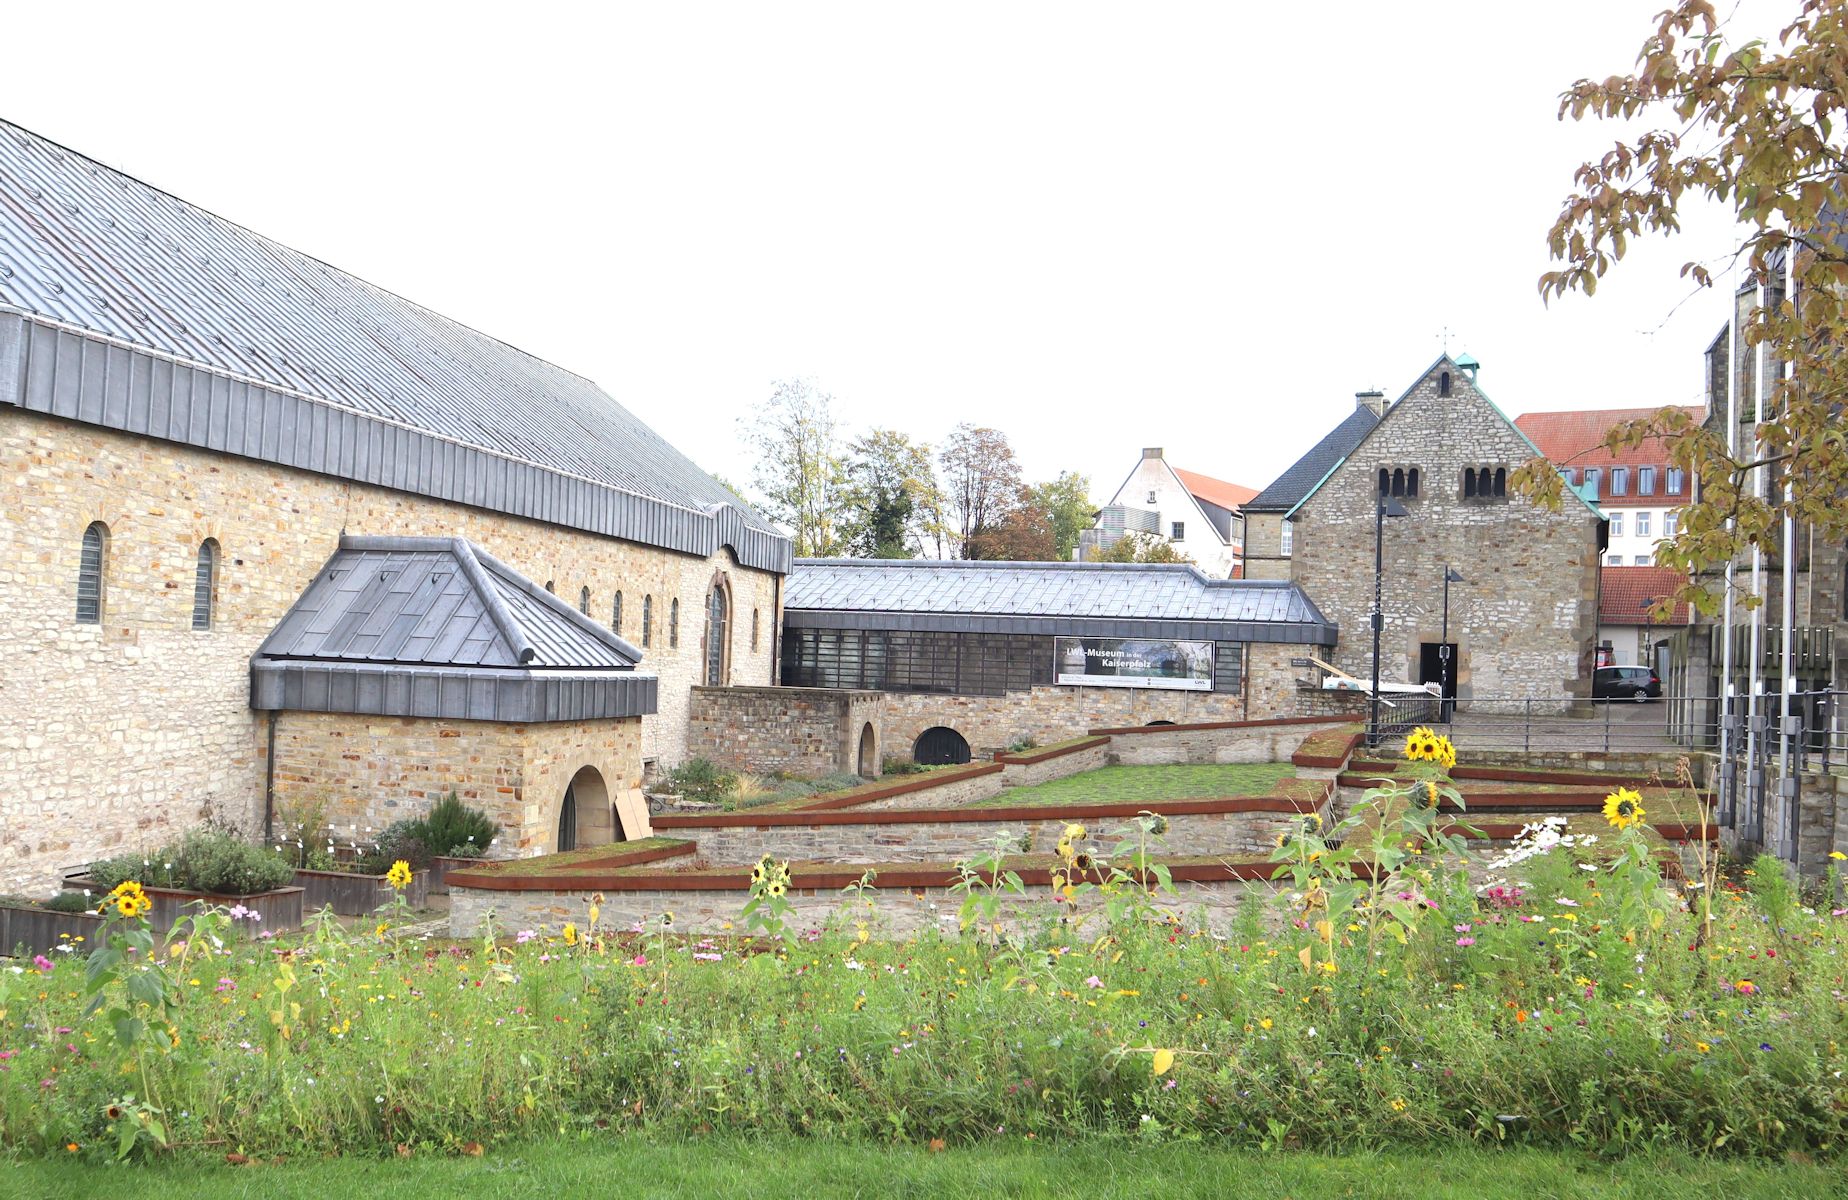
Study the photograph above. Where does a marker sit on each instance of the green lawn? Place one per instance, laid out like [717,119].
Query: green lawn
[1148,785]
[820,1170]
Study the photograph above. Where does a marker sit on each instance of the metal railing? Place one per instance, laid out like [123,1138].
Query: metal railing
[1569,723]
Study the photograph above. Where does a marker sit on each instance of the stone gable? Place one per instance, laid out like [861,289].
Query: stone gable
[1524,622]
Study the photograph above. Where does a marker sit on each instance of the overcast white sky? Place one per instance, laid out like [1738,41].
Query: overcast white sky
[1095,227]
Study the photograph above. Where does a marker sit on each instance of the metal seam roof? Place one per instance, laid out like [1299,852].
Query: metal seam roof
[89,249]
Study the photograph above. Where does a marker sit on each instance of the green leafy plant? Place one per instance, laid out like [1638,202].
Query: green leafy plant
[456,830]
[701,780]
[208,859]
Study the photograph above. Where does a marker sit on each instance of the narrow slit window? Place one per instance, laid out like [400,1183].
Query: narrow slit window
[205,584]
[647,621]
[616,615]
[90,564]
[584,600]
[673,623]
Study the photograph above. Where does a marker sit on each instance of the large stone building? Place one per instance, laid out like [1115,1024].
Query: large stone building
[1523,621]
[191,418]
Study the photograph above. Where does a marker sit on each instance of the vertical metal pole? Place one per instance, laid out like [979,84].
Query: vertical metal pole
[1728,775]
[1379,568]
[1786,781]
[1754,792]
[1443,649]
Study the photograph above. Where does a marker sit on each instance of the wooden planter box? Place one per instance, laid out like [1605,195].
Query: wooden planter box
[442,865]
[280,909]
[356,895]
[37,930]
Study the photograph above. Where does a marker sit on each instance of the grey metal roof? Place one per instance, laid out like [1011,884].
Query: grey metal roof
[199,330]
[1303,475]
[439,627]
[1104,599]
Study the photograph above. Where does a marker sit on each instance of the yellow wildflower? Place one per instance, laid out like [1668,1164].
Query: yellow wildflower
[571,934]
[1624,808]
[399,876]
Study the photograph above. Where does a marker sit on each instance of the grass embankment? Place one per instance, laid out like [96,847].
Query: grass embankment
[1149,785]
[823,1170]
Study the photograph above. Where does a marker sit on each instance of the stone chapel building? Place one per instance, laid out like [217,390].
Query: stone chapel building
[497,578]
[1522,623]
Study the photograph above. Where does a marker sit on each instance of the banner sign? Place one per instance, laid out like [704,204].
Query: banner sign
[1134,663]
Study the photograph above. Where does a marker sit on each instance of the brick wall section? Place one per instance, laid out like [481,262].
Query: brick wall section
[897,913]
[804,731]
[120,735]
[370,771]
[1525,621]
[1255,743]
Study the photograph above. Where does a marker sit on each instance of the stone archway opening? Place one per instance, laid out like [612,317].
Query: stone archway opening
[940,746]
[868,765]
[586,817]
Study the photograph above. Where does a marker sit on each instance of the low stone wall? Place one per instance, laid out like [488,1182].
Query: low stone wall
[1822,821]
[970,788]
[898,912]
[803,731]
[1232,832]
[1054,762]
[1213,742]
[1643,764]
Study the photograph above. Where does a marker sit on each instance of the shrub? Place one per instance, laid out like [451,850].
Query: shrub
[208,859]
[1022,744]
[903,766]
[454,829]
[701,780]
[400,840]
[70,902]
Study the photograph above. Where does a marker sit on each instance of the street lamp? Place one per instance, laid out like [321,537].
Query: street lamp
[1443,641]
[1385,506]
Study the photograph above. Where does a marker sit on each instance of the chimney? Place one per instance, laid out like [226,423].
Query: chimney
[1151,452]
[1375,400]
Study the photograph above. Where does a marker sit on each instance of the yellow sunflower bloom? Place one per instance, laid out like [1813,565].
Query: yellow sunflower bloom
[399,876]
[1074,833]
[1624,808]
[571,934]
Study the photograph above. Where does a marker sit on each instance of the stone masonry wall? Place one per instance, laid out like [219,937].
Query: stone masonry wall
[1248,744]
[1235,833]
[363,773]
[896,913]
[123,733]
[804,731]
[1524,620]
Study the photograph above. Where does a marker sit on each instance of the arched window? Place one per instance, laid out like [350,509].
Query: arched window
[1443,383]
[753,631]
[673,623]
[718,632]
[647,621]
[584,600]
[616,615]
[1469,482]
[1398,481]
[1411,482]
[1385,482]
[205,584]
[1501,481]
[550,588]
[90,564]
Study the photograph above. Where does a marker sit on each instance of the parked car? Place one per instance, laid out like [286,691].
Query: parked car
[1640,684]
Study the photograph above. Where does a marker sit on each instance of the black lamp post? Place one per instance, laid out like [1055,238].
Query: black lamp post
[1443,642]
[1385,506]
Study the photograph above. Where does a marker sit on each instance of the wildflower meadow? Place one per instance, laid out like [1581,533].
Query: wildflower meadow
[1383,990]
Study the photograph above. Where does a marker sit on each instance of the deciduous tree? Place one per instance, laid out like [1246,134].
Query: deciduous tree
[800,473]
[894,500]
[1763,129]
[981,482]
[1136,547]
[1068,506]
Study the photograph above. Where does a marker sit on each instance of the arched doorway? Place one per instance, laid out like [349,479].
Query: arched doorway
[585,815]
[940,746]
[1154,723]
[868,767]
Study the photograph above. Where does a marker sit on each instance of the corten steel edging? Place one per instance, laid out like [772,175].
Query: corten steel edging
[1033,757]
[1018,812]
[1130,730]
[848,799]
[1335,761]
[890,877]
[489,879]
[1507,774]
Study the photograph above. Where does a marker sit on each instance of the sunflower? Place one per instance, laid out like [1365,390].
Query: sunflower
[1074,833]
[1428,792]
[129,899]
[1312,822]
[1445,753]
[1421,745]
[399,876]
[1065,850]
[571,934]
[1624,808]
[759,872]
[1082,862]
[777,887]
